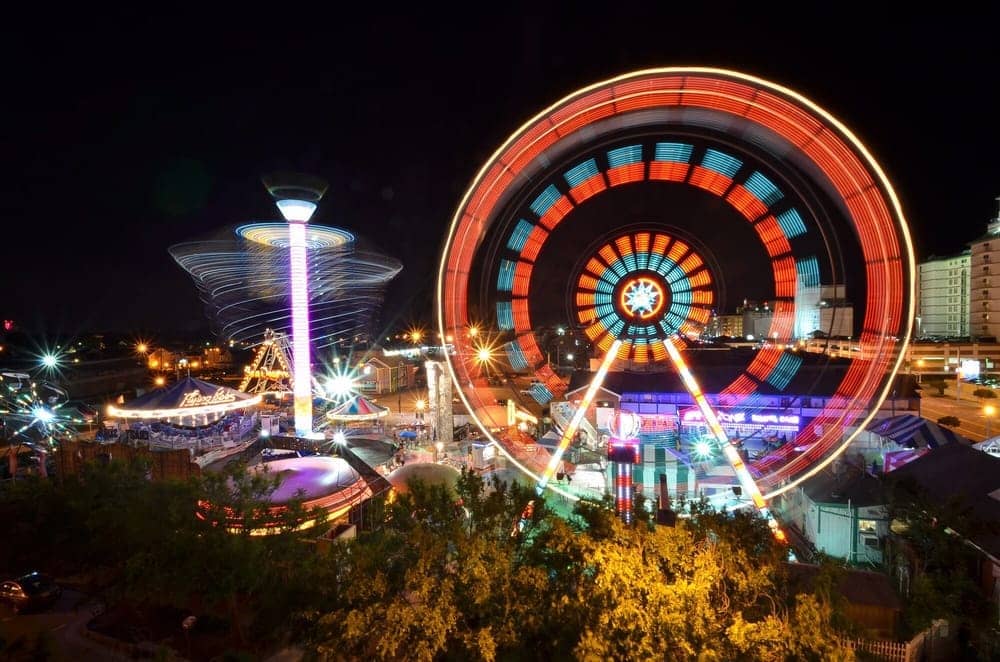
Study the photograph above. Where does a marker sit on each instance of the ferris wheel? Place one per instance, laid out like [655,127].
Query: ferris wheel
[632,208]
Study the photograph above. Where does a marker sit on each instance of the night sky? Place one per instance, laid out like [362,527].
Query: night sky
[123,135]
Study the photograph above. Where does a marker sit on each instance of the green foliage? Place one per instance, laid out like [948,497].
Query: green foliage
[950,421]
[484,582]
[482,571]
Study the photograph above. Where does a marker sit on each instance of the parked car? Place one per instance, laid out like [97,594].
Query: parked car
[30,592]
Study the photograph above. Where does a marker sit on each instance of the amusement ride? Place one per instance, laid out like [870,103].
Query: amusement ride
[670,188]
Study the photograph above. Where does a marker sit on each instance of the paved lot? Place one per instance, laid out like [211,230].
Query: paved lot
[56,629]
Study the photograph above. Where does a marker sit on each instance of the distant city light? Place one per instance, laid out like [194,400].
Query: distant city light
[142,348]
[473,331]
[340,438]
[569,357]
[50,360]
[483,355]
[159,381]
[421,405]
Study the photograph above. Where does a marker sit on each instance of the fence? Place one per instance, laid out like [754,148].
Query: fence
[932,644]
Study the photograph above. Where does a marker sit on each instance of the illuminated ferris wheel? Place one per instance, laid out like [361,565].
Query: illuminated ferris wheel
[632,208]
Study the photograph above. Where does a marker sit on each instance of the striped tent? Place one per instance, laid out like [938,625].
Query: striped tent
[914,432]
[358,408]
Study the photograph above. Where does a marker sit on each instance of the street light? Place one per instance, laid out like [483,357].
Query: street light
[988,412]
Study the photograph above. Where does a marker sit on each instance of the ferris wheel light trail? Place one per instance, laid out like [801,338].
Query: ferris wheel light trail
[581,411]
[735,461]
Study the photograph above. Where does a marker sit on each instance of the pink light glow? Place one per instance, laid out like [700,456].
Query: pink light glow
[302,378]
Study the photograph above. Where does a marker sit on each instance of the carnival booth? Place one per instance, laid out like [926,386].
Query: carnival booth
[209,420]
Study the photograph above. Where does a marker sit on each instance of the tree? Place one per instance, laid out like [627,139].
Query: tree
[985,394]
[950,421]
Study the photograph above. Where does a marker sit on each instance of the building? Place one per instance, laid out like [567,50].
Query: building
[386,374]
[842,512]
[836,314]
[944,296]
[725,326]
[984,299]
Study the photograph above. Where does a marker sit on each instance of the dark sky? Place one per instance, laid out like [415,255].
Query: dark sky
[122,134]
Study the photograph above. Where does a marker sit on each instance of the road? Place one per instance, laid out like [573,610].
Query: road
[969,413]
[57,630]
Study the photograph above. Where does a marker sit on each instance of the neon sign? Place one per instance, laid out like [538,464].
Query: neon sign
[695,416]
[196,399]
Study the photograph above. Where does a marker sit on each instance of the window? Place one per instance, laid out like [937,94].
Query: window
[866,525]
[986,258]
[986,268]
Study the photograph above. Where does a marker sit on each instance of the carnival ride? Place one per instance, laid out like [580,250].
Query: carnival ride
[243,278]
[677,185]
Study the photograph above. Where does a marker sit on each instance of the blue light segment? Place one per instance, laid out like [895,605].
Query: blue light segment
[602,298]
[683,296]
[671,323]
[608,320]
[516,355]
[787,366]
[505,281]
[605,287]
[763,188]
[581,173]
[720,162]
[505,316]
[791,223]
[616,328]
[618,268]
[808,269]
[544,201]
[540,393]
[642,259]
[630,262]
[520,235]
[606,309]
[676,152]
[625,155]
[650,330]
[663,267]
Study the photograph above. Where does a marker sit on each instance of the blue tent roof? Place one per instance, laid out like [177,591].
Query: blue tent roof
[172,397]
[915,432]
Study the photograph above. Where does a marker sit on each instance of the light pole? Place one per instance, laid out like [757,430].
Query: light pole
[988,412]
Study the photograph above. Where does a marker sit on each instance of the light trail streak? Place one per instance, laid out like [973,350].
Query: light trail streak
[728,451]
[581,411]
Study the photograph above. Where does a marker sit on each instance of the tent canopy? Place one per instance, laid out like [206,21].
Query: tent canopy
[915,432]
[358,408]
[186,399]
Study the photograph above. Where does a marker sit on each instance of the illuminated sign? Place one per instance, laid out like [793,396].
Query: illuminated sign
[970,369]
[196,399]
[695,416]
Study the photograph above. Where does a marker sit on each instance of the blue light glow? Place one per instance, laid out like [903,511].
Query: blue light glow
[505,281]
[520,235]
[787,366]
[791,223]
[721,163]
[581,173]
[676,152]
[625,155]
[505,316]
[763,188]
[544,201]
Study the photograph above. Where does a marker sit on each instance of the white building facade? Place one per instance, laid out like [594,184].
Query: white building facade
[945,296]
[984,306]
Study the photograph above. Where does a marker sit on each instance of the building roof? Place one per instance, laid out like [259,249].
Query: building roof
[960,475]
[915,432]
[818,375]
[849,485]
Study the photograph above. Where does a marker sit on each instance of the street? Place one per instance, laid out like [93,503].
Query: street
[57,631]
[968,411]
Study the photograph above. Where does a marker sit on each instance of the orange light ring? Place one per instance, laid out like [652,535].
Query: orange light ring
[860,185]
